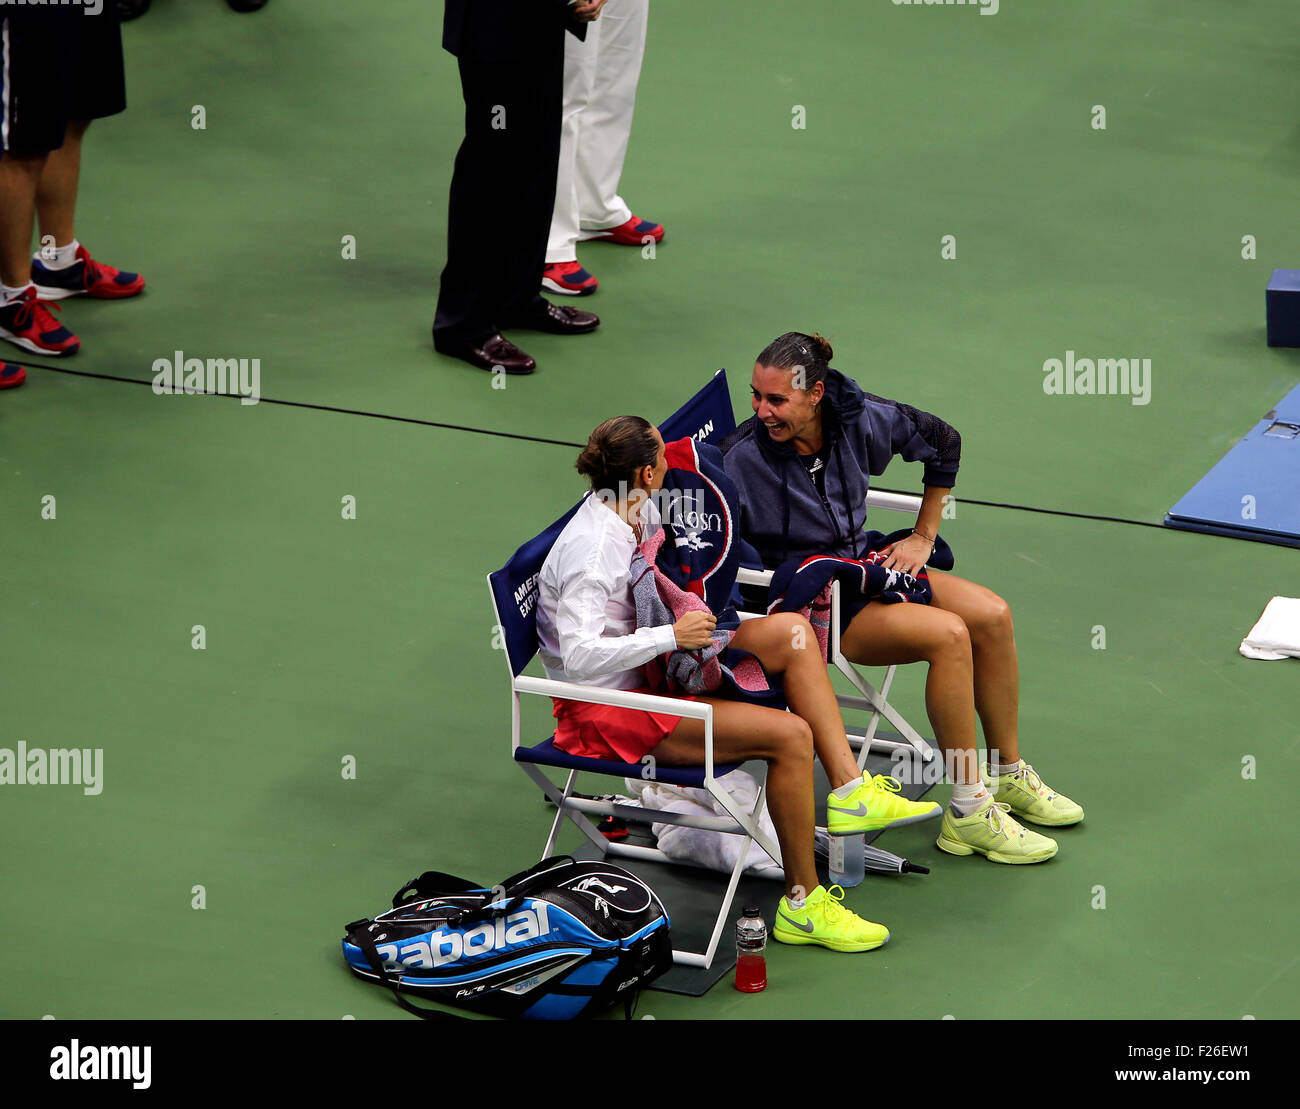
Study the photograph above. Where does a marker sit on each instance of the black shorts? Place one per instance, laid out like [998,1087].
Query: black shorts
[56,64]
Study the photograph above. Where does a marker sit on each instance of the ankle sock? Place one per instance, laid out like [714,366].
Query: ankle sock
[998,769]
[967,799]
[59,257]
[9,292]
[847,788]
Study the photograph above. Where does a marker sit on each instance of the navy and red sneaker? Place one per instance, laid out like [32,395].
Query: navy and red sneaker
[26,322]
[568,278]
[85,277]
[633,233]
[11,375]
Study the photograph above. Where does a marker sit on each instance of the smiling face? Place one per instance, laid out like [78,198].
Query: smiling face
[787,413]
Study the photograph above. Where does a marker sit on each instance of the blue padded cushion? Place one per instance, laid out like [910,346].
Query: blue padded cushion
[547,754]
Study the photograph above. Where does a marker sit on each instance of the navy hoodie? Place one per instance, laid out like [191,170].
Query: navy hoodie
[784,516]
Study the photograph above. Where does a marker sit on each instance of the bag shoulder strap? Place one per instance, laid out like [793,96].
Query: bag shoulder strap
[367,945]
[430,884]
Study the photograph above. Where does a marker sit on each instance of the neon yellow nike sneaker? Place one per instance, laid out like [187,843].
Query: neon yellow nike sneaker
[823,920]
[1031,799]
[993,832]
[874,805]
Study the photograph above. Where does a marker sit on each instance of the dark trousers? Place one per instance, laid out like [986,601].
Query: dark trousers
[502,192]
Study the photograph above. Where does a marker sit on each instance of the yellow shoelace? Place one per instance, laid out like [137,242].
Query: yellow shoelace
[885,784]
[834,910]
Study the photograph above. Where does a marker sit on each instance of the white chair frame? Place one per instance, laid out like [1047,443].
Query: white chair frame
[742,822]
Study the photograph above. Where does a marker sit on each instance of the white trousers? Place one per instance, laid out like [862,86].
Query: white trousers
[600,79]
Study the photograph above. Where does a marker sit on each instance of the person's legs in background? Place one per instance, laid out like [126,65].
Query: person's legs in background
[502,197]
[31,124]
[605,128]
[562,272]
[91,50]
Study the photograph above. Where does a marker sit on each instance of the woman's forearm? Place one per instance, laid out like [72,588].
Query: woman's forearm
[927,519]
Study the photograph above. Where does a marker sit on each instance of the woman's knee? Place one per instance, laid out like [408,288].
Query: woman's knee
[792,631]
[793,739]
[950,637]
[992,619]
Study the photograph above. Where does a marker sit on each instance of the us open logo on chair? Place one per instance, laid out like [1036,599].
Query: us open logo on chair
[694,509]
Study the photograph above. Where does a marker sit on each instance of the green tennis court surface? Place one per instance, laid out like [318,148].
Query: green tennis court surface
[371,638]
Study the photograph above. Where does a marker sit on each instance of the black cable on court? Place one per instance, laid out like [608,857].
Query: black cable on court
[566,442]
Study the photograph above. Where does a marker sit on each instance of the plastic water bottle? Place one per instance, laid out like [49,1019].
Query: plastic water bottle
[751,943]
[848,861]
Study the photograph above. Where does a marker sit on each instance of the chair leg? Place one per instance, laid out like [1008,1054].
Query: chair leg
[880,705]
[559,798]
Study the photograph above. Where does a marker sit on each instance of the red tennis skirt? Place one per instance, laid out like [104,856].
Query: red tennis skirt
[610,731]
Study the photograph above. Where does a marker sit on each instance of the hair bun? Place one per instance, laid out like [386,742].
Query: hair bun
[824,349]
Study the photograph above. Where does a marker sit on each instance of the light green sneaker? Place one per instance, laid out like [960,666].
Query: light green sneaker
[993,832]
[874,805]
[1031,799]
[823,920]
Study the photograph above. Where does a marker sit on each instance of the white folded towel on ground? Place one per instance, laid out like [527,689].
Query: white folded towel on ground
[1277,633]
[714,850]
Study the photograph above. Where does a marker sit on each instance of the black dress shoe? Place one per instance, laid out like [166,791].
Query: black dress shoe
[559,319]
[494,353]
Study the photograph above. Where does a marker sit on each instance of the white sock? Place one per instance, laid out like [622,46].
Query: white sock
[998,769]
[847,788]
[9,292]
[967,799]
[58,257]
[795,902]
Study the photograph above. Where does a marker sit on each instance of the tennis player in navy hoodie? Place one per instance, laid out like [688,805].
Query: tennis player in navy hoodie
[802,466]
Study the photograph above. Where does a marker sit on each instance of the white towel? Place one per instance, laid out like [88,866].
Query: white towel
[713,850]
[1277,633]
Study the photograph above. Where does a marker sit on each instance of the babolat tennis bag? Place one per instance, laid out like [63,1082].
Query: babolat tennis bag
[562,939]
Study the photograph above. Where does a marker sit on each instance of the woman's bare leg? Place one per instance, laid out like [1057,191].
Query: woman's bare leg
[993,650]
[882,635]
[786,644]
[782,740]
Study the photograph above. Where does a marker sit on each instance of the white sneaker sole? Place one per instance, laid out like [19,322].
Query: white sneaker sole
[957,847]
[27,344]
[901,822]
[47,292]
[549,286]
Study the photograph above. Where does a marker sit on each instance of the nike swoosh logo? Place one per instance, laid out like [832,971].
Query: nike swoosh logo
[794,923]
[861,810]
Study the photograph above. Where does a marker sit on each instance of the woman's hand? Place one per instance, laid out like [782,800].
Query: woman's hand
[588,11]
[908,555]
[695,630]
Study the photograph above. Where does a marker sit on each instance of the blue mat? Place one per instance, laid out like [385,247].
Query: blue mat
[1253,492]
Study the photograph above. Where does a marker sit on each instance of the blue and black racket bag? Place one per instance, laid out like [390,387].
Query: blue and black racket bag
[562,939]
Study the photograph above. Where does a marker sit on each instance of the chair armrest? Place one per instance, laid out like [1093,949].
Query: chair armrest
[625,698]
[898,502]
